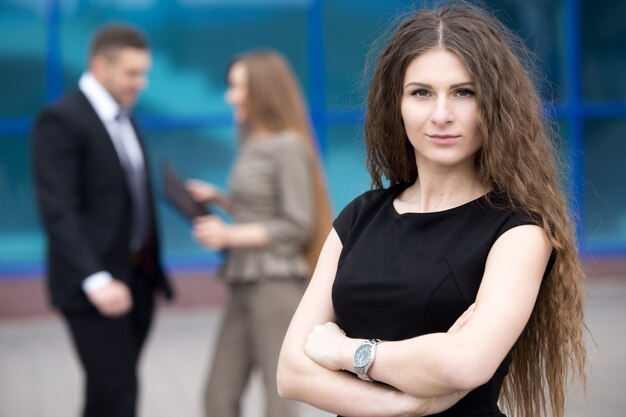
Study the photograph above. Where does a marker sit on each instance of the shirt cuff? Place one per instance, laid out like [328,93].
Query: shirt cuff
[96,281]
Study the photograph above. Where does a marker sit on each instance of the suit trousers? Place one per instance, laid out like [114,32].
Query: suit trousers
[256,319]
[109,350]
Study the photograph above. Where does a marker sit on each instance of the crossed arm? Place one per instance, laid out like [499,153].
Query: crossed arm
[425,374]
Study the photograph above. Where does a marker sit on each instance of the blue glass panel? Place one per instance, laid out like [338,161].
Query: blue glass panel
[187,122]
[192,45]
[605,186]
[22,57]
[351,28]
[603,36]
[540,24]
[21,240]
[346,174]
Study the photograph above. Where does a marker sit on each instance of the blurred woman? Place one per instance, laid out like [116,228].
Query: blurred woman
[281,213]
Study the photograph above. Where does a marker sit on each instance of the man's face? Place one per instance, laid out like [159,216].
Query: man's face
[124,74]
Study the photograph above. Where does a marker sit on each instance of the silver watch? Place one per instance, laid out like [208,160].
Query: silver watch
[364,358]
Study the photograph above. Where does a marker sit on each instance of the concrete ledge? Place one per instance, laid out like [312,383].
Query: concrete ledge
[605,267]
[27,296]
[23,297]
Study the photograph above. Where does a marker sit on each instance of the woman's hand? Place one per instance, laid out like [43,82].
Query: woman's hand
[326,343]
[202,191]
[435,405]
[212,232]
[329,346]
[464,318]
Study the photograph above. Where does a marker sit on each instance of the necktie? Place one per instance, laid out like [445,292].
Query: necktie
[132,162]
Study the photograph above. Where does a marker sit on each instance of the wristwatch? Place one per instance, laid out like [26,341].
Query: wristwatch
[364,358]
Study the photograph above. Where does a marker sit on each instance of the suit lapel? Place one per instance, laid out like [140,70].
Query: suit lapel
[99,133]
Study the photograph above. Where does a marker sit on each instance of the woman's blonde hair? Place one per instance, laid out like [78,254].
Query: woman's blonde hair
[518,161]
[275,103]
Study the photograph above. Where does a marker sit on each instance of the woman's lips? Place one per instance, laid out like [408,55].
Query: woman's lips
[444,139]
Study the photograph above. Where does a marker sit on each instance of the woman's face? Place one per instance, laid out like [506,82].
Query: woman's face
[440,110]
[237,92]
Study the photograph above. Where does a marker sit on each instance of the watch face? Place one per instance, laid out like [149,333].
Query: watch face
[362,356]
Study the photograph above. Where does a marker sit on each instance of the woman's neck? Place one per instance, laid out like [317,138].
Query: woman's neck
[260,133]
[441,190]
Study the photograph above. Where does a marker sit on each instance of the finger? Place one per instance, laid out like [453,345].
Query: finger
[121,299]
[461,321]
[212,220]
[107,310]
[124,309]
[204,237]
[112,307]
[120,308]
[334,326]
[193,182]
[318,328]
[198,221]
[468,313]
[203,230]
[129,304]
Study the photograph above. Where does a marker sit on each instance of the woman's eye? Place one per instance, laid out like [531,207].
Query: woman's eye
[465,93]
[420,93]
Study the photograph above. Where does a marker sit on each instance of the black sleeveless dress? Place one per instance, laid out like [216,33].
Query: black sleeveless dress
[404,275]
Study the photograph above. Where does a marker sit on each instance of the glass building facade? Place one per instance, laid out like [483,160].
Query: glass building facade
[43,50]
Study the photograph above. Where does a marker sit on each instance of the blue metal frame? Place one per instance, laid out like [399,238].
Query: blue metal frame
[317,71]
[54,69]
[573,110]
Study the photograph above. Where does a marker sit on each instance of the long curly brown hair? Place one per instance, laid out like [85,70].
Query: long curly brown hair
[276,103]
[518,160]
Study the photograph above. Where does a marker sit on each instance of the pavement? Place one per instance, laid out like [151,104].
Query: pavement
[40,375]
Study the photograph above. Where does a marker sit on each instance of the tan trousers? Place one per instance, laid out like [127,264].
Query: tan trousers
[252,332]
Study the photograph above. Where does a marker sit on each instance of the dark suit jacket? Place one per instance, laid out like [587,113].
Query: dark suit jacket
[85,203]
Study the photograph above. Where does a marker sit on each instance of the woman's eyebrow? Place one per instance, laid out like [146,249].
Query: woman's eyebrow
[463,84]
[425,85]
[418,84]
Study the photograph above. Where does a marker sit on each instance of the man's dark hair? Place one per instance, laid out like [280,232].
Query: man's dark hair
[111,38]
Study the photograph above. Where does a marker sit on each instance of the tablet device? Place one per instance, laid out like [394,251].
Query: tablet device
[178,196]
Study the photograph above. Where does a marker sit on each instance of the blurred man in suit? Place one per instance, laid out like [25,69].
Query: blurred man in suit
[97,209]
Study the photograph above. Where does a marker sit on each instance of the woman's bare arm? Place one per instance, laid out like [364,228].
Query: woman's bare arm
[336,391]
[442,363]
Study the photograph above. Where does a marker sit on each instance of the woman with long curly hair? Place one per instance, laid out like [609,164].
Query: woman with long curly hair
[456,287]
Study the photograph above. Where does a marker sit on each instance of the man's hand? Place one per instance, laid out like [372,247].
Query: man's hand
[113,299]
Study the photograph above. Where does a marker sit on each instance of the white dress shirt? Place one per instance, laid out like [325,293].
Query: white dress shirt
[107,110]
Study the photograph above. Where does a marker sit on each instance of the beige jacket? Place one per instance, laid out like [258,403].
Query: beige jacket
[271,184]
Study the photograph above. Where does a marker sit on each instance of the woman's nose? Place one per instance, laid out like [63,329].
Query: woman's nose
[442,113]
